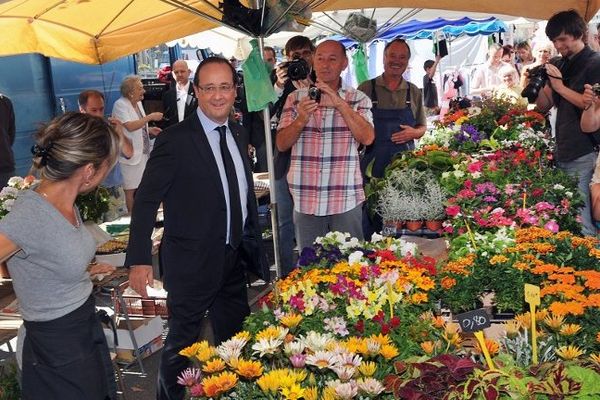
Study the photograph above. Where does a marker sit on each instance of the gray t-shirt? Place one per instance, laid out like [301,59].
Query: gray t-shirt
[49,272]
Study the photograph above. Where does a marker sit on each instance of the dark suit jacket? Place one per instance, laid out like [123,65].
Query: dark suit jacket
[182,174]
[169,100]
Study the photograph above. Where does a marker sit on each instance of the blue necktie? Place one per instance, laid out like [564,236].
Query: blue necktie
[235,208]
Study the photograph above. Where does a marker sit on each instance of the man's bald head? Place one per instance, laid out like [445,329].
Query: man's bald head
[181,72]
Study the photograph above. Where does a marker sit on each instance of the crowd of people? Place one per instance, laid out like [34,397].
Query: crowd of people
[195,157]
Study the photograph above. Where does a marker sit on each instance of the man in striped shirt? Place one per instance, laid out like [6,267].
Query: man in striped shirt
[324,176]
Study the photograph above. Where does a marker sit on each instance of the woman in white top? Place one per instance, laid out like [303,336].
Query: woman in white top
[128,109]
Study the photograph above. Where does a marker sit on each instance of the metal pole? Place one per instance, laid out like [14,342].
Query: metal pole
[271,168]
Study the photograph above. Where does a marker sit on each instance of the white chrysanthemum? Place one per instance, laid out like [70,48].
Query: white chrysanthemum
[344,390]
[321,359]
[376,237]
[558,186]
[294,347]
[231,349]
[355,257]
[373,347]
[267,346]
[347,359]
[316,341]
[370,386]
[15,182]
[345,373]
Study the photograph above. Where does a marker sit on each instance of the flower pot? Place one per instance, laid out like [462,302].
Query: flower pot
[389,228]
[434,224]
[4,270]
[414,225]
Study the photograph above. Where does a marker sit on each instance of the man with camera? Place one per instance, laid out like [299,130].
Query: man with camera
[323,126]
[576,151]
[299,53]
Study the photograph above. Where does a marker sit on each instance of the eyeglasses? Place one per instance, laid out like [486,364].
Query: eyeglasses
[212,89]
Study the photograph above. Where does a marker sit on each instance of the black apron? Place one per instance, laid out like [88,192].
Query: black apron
[67,358]
[387,122]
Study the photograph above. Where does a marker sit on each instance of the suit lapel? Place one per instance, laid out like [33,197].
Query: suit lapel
[203,147]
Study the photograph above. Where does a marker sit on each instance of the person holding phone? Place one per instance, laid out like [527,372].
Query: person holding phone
[324,176]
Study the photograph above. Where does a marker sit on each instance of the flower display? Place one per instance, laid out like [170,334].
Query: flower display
[10,192]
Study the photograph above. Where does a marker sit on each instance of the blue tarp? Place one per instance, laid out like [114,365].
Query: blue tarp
[416,29]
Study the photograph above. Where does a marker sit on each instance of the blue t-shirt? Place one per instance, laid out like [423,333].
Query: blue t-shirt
[114,177]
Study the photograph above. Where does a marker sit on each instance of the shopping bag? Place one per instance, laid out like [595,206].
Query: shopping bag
[257,80]
[359,61]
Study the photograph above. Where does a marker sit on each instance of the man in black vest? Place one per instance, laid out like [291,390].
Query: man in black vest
[576,151]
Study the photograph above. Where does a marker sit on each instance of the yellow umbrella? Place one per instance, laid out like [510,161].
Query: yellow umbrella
[98,31]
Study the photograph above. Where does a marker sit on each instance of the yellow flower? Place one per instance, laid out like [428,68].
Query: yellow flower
[524,319]
[554,322]
[218,384]
[329,394]
[428,347]
[512,328]
[249,369]
[367,368]
[389,351]
[311,393]
[569,352]
[291,320]
[595,358]
[212,366]
[192,350]
[570,329]
[243,335]
[493,347]
[294,392]
[272,332]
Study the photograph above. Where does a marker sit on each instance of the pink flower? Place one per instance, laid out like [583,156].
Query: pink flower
[551,226]
[197,390]
[298,360]
[189,377]
[453,211]
[475,167]
[543,206]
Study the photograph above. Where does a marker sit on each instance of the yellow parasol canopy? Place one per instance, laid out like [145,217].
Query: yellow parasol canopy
[98,31]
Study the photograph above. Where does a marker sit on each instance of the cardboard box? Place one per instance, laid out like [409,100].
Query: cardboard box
[127,356]
[145,331]
[116,259]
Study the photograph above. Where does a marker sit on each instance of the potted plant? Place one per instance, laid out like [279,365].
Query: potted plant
[412,208]
[435,212]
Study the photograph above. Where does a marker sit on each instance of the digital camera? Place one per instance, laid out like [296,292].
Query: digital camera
[596,89]
[537,80]
[297,69]
[314,93]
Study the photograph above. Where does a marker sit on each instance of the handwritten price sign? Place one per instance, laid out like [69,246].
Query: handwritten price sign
[473,321]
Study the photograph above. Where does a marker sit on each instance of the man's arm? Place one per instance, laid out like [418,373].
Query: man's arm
[431,72]
[289,134]
[544,100]
[555,78]
[590,118]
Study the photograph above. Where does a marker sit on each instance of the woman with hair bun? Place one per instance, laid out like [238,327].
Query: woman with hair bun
[48,252]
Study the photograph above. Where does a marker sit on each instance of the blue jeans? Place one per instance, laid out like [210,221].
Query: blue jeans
[285,221]
[583,169]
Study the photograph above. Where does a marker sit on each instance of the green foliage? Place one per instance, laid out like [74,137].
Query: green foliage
[9,383]
[93,205]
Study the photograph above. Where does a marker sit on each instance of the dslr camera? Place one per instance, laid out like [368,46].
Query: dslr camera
[537,80]
[596,89]
[297,69]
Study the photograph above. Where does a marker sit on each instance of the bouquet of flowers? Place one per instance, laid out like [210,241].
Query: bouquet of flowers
[9,193]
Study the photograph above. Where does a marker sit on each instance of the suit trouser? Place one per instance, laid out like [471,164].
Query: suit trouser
[227,306]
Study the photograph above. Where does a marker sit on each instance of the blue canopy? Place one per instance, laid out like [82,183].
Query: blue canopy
[416,29]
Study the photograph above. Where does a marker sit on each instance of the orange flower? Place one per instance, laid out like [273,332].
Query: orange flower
[498,259]
[428,347]
[218,384]
[570,307]
[493,347]
[570,329]
[418,298]
[448,283]
[249,369]
[215,365]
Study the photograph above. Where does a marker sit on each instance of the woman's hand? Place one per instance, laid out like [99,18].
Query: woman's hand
[100,269]
[155,116]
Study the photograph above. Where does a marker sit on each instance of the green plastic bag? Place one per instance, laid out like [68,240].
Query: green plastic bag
[359,61]
[259,89]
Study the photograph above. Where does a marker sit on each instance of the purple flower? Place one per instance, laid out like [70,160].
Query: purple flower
[490,199]
[298,360]
[307,257]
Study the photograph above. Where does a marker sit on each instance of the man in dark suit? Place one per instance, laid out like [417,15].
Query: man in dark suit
[179,101]
[201,175]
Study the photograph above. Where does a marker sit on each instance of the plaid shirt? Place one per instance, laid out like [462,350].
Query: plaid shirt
[324,176]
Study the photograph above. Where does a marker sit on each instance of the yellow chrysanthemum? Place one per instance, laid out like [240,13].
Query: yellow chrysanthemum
[271,332]
[389,351]
[367,368]
[329,394]
[512,328]
[291,320]
[192,350]
[569,352]
[215,365]
[570,329]
[524,319]
[249,369]
[243,335]
[595,358]
[554,322]
[428,347]
[294,392]
[219,384]
[311,393]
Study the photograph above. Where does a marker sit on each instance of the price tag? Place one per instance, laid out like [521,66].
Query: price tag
[473,321]
[532,294]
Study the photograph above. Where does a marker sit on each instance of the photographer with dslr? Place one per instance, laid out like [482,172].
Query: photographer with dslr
[323,128]
[289,76]
[576,151]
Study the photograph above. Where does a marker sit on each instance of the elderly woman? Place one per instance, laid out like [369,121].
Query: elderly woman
[129,110]
[65,355]
[509,89]
[543,52]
